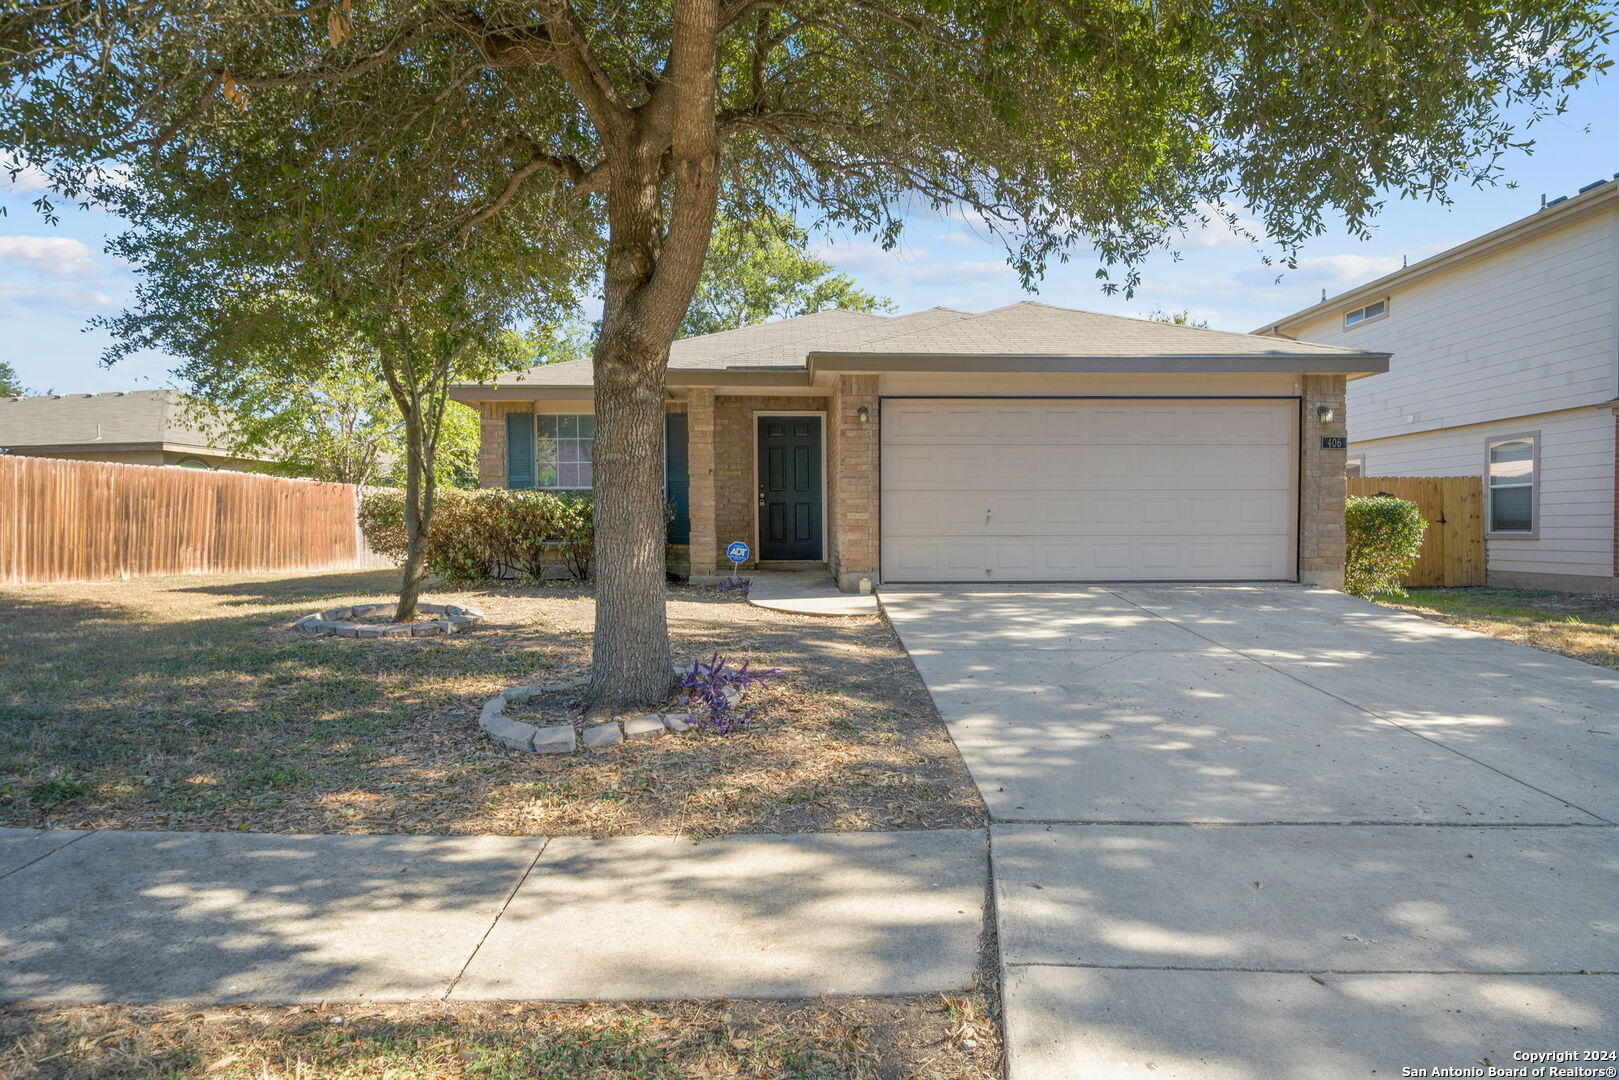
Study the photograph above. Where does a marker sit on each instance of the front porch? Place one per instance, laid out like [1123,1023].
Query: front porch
[791,475]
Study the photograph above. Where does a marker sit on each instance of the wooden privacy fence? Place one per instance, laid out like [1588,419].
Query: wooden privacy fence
[1453,546]
[82,520]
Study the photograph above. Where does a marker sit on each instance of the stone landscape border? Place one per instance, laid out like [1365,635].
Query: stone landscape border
[339,621]
[564,737]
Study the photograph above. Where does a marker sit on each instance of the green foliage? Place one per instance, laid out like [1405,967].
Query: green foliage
[1385,537]
[10,383]
[1110,127]
[487,535]
[1177,318]
[762,269]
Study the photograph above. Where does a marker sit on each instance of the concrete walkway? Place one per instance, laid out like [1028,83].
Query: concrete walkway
[1279,832]
[806,593]
[229,917]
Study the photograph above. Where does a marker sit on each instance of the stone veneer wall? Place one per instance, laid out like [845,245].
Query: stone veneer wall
[852,458]
[1321,515]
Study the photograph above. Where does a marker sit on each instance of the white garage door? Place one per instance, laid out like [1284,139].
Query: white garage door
[1093,490]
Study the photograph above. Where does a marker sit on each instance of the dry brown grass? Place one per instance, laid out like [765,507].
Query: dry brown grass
[917,1038]
[186,703]
[1584,626]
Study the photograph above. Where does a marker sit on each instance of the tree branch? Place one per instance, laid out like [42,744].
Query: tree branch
[584,181]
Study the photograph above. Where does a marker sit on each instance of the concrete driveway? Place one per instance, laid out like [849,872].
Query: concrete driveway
[1245,832]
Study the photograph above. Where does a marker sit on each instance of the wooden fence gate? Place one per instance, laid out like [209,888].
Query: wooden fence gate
[1453,546]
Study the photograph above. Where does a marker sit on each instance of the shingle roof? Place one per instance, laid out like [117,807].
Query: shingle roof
[1022,329]
[780,345]
[130,417]
[1034,329]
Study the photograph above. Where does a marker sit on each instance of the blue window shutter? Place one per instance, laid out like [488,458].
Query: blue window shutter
[679,484]
[520,450]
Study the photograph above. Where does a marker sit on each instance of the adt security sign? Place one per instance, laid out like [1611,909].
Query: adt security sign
[737,552]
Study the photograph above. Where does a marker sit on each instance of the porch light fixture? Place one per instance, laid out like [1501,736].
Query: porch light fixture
[863,414]
[1323,413]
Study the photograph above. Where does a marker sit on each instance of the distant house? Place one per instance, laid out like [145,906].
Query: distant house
[136,427]
[1505,366]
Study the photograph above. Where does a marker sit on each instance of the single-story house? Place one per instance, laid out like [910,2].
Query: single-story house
[134,427]
[1027,443]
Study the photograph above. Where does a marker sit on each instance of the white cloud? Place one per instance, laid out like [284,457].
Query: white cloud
[53,256]
[74,301]
[28,181]
[1330,271]
[877,268]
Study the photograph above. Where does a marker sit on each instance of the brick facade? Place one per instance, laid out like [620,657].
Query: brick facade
[723,470]
[700,466]
[1321,512]
[852,461]
[492,439]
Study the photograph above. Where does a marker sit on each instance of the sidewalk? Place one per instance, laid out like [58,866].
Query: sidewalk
[231,917]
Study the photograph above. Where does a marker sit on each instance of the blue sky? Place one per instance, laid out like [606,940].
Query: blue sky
[54,279]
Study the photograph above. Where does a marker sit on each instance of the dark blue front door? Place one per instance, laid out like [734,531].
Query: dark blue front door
[790,487]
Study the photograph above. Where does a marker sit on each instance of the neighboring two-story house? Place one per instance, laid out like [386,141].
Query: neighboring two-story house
[1505,366]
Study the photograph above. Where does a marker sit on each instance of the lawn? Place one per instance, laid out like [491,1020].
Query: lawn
[187,703]
[1584,626]
[931,1038]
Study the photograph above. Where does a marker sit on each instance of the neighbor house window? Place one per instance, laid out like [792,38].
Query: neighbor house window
[550,451]
[1512,467]
[1366,314]
[1355,467]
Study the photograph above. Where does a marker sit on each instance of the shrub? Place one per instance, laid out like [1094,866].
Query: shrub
[479,536]
[714,689]
[1385,535]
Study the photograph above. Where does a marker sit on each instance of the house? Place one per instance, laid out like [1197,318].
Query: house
[1506,367]
[1028,443]
[135,427]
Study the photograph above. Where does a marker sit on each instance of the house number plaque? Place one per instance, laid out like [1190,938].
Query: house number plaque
[1334,442]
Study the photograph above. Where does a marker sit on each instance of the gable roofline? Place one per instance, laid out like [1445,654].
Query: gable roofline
[1566,211]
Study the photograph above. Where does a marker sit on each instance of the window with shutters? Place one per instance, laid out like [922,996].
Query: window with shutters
[555,452]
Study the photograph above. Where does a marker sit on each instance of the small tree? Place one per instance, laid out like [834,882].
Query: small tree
[10,383]
[1385,538]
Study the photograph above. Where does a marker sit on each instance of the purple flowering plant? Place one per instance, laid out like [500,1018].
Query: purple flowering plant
[733,587]
[714,690]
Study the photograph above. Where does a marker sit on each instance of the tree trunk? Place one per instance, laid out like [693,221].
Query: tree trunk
[630,665]
[420,489]
[661,199]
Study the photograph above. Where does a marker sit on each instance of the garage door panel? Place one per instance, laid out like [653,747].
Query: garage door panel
[1087,490]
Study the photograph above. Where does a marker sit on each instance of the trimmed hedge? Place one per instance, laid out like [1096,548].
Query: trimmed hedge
[486,535]
[1385,537]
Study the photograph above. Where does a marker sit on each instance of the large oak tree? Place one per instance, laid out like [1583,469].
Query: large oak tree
[1063,126]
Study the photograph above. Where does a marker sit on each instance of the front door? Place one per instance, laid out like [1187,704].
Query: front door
[790,487]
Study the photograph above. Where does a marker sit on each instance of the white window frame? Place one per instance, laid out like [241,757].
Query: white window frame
[561,487]
[1359,462]
[1351,320]
[1490,443]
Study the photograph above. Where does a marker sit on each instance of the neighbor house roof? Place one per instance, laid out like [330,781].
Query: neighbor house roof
[1026,336]
[124,420]
[1592,199]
